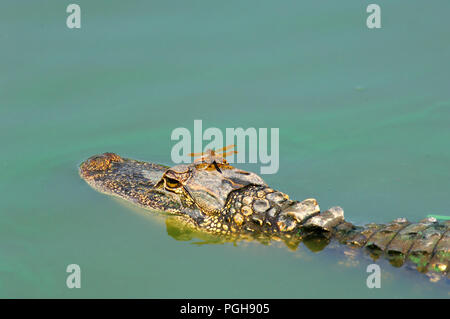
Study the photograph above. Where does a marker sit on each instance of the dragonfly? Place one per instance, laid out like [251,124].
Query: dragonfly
[214,157]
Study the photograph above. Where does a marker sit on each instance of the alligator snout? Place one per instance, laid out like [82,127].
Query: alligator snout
[98,164]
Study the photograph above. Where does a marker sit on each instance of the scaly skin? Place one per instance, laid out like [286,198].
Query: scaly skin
[222,200]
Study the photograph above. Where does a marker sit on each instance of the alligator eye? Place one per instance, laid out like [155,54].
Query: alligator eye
[172,183]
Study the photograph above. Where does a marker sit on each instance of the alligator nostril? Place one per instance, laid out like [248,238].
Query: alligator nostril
[113,157]
[99,163]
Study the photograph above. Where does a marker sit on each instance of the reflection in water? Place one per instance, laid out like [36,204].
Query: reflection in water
[315,242]
[182,232]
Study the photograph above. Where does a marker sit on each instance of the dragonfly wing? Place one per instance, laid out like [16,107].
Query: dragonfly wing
[223,149]
[228,153]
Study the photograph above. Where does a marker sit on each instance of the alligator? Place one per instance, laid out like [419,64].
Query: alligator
[221,200]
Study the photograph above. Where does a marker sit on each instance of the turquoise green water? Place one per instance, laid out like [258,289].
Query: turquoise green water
[363,115]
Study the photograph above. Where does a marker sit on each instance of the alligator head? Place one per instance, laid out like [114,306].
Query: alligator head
[216,198]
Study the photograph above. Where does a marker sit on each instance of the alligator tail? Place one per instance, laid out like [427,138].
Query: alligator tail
[424,245]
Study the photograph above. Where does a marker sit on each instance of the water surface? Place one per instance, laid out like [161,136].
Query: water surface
[363,115]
